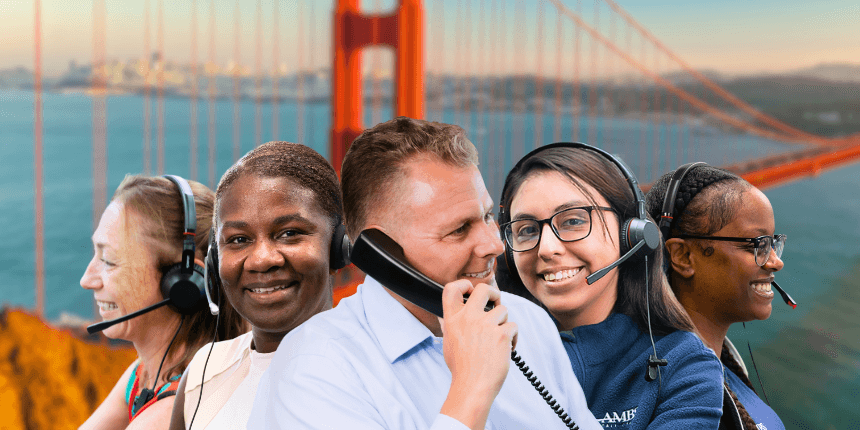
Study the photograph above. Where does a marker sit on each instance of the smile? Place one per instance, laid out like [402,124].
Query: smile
[763,288]
[106,306]
[269,289]
[480,275]
[560,275]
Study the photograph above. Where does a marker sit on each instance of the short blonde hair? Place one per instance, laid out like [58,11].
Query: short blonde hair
[375,160]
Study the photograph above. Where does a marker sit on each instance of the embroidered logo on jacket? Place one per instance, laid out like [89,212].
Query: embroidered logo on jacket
[614,419]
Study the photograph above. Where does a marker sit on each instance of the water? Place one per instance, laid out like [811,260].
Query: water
[808,358]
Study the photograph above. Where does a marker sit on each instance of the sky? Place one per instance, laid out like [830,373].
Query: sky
[728,36]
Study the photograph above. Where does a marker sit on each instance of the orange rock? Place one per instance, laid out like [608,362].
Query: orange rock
[50,378]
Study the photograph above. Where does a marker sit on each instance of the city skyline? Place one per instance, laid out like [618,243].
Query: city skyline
[729,37]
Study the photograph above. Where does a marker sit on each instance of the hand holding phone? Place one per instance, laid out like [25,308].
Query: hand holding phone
[477,349]
[475,328]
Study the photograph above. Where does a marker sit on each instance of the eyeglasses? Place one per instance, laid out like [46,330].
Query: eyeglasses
[762,244]
[569,225]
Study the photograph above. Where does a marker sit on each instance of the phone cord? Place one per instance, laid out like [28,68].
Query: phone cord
[547,397]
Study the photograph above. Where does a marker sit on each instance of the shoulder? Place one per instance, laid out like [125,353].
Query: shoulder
[686,346]
[331,333]
[223,355]
[692,365]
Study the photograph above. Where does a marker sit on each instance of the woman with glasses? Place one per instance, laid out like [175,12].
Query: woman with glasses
[722,255]
[561,218]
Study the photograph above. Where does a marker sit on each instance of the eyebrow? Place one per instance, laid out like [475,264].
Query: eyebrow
[283,219]
[559,208]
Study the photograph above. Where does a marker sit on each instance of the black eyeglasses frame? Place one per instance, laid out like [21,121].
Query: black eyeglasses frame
[504,227]
[756,241]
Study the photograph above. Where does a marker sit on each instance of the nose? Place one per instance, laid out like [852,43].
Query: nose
[774,263]
[90,280]
[489,241]
[549,244]
[264,257]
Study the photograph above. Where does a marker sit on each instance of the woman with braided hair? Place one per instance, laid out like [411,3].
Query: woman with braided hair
[721,255]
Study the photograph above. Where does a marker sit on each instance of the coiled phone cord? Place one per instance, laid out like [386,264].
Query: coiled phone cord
[547,397]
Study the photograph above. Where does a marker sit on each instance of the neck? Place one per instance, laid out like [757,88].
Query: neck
[152,347]
[711,332]
[432,322]
[710,327]
[266,342]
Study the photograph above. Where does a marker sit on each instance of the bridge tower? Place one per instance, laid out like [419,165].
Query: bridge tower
[402,30]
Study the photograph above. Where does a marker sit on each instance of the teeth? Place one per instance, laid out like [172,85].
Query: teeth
[483,274]
[107,306]
[762,288]
[561,274]
[268,290]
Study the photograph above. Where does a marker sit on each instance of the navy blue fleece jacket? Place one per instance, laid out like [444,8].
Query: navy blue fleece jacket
[610,361]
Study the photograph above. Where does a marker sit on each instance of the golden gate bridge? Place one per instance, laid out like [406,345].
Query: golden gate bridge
[577,69]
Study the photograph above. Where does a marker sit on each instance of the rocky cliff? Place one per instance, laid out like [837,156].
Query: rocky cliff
[50,378]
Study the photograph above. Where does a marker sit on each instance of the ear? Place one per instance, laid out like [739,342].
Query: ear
[680,257]
[199,262]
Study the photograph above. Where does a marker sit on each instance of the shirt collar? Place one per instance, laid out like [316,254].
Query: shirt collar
[396,330]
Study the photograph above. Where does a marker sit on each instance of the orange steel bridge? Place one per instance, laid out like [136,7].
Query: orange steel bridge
[578,68]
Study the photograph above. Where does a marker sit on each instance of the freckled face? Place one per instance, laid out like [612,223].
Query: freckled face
[123,273]
[554,271]
[273,244]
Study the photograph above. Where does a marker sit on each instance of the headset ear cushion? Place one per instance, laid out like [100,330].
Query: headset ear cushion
[214,281]
[635,230]
[185,291]
[339,252]
[625,236]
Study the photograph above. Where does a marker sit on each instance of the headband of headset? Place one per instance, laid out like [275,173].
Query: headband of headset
[631,180]
[668,213]
[190,221]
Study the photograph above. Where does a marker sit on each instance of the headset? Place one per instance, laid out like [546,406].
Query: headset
[639,236]
[182,284]
[338,259]
[668,213]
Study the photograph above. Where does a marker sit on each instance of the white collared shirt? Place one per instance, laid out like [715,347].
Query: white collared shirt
[370,364]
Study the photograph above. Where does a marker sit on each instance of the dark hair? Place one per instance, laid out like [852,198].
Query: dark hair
[375,159]
[158,203]
[729,361]
[294,161]
[583,167]
[707,200]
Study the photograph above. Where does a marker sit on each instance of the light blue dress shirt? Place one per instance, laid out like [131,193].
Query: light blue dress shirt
[370,364]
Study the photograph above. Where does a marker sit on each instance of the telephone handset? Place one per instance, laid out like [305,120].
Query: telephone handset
[380,257]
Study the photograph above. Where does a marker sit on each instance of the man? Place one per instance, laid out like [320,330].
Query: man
[378,361]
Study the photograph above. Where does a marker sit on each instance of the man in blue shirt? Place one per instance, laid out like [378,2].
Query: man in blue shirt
[377,361]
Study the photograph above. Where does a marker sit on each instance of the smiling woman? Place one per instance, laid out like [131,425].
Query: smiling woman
[139,237]
[722,255]
[278,221]
[566,210]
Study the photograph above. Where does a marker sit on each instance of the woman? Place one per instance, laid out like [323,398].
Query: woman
[140,234]
[563,206]
[722,254]
[277,214]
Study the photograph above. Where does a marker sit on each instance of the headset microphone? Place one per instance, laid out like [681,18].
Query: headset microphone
[213,308]
[594,277]
[95,328]
[785,297]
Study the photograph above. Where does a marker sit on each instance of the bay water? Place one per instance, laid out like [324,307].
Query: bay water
[808,359]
